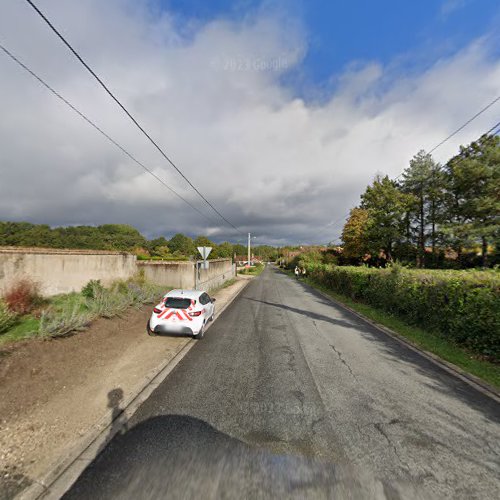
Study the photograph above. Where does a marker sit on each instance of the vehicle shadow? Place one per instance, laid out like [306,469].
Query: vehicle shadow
[179,456]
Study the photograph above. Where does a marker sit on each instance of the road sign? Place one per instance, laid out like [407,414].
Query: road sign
[204,252]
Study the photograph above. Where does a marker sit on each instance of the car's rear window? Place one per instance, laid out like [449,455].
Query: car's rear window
[177,302]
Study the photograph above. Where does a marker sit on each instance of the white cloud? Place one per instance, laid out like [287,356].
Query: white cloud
[272,163]
[450,6]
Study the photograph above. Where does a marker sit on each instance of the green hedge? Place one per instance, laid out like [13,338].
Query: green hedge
[463,306]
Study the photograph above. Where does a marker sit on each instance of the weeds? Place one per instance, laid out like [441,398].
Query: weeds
[22,297]
[7,319]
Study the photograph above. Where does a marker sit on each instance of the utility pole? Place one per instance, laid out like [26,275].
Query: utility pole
[249,255]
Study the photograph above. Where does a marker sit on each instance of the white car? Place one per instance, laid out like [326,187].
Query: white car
[182,312]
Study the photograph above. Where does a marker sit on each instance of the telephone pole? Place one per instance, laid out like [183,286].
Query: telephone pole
[249,255]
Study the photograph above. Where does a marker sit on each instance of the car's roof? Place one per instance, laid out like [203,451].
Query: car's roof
[188,294]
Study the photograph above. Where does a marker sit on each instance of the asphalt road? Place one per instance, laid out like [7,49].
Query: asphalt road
[291,396]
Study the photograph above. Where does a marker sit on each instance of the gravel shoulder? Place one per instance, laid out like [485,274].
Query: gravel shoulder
[54,392]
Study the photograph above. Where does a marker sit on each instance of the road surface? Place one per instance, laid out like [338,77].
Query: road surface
[289,395]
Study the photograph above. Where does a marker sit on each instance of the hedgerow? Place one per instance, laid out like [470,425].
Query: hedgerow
[463,306]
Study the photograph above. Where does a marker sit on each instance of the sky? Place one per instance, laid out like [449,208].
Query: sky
[279,112]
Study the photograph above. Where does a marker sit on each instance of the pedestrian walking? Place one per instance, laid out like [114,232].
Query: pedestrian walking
[303,272]
[297,272]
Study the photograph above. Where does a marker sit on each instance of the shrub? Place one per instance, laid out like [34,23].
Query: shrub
[90,288]
[107,303]
[64,322]
[143,293]
[22,297]
[463,306]
[75,315]
[7,319]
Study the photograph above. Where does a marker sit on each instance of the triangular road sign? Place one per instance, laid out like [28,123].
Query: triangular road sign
[204,252]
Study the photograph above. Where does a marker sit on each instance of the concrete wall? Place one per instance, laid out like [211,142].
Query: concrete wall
[178,274]
[63,271]
[181,274]
[219,271]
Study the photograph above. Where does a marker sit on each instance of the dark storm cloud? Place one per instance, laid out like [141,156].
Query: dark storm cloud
[275,165]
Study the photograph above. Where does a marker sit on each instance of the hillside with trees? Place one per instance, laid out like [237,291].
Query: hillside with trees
[122,238]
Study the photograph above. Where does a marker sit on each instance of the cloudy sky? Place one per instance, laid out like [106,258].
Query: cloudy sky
[280,112]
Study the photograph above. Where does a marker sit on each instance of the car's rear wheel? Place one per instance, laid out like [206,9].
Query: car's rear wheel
[150,332]
[201,333]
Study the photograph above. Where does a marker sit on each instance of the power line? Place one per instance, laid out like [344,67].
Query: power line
[465,124]
[124,109]
[495,130]
[492,129]
[96,127]
[460,128]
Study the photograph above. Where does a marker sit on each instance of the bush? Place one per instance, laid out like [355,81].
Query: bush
[143,293]
[463,306]
[7,319]
[252,270]
[90,288]
[22,297]
[113,301]
[64,322]
[108,303]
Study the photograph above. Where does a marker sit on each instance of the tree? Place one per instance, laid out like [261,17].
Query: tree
[239,249]
[354,240]
[473,194]
[386,206]
[265,252]
[203,241]
[421,181]
[161,251]
[156,243]
[224,250]
[121,237]
[182,245]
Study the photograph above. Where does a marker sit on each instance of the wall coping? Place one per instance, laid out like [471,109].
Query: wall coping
[163,262]
[58,251]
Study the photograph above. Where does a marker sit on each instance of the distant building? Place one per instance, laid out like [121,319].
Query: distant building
[242,260]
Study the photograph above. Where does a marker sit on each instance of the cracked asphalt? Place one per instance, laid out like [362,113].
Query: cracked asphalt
[291,396]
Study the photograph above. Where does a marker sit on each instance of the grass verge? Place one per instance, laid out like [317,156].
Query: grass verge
[226,284]
[429,341]
[24,328]
[252,271]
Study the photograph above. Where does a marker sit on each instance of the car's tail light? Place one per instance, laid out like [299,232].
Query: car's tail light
[195,313]
[156,310]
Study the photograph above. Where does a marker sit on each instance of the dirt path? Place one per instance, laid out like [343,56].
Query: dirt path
[53,392]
